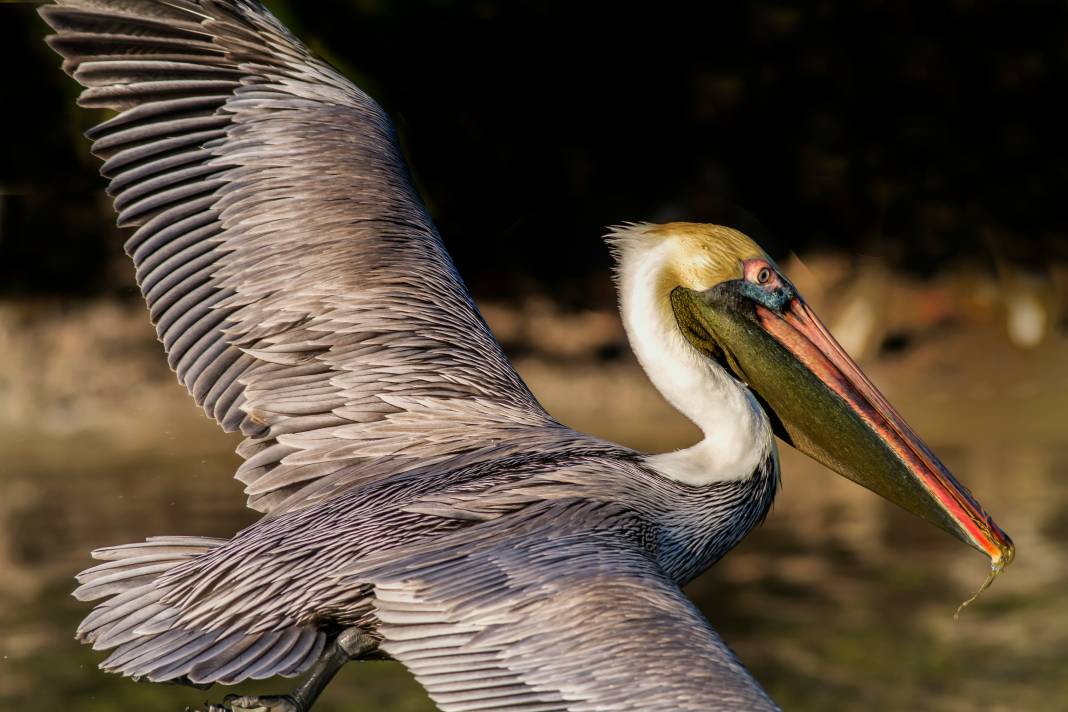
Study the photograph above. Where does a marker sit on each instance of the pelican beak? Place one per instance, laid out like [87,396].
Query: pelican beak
[821,403]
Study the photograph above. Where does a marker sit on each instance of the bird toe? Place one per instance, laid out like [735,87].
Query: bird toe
[260,703]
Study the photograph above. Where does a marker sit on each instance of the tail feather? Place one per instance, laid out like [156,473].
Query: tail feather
[175,659]
[260,669]
[124,630]
[159,623]
[148,638]
[109,612]
[109,582]
[132,656]
[253,653]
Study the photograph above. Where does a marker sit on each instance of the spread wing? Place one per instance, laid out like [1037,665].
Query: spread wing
[294,277]
[541,619]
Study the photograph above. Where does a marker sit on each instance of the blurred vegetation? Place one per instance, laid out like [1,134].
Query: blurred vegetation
[919,132]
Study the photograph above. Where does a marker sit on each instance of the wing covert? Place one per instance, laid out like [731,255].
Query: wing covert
[545,619]
[294,277]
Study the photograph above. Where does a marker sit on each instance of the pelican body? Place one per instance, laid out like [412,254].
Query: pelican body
[418,503]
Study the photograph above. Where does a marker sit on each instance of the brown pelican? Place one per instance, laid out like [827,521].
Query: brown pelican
[418,502]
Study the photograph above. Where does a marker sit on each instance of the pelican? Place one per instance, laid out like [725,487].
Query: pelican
[418,503]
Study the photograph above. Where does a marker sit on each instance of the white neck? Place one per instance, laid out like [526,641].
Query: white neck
[736,429]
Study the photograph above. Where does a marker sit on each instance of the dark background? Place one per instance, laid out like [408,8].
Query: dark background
[923,133]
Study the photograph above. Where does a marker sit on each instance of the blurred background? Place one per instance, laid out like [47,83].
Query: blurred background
[904,161]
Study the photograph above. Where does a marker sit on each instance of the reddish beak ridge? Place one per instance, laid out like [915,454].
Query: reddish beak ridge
[800,332]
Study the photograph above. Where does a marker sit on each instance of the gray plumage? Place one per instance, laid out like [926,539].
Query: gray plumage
[411,484]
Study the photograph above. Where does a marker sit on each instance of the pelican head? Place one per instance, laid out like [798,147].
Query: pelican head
[737,312]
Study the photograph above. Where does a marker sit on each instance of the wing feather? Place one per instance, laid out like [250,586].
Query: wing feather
[299,288]
[537,616]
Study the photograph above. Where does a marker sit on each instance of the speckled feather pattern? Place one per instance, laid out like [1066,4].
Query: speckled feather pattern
[411,484]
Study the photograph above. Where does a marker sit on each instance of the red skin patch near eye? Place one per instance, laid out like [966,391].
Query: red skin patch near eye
[751,273]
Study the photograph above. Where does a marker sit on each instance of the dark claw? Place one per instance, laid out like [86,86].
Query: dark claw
[209,707]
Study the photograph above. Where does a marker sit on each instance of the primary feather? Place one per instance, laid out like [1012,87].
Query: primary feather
[299,287]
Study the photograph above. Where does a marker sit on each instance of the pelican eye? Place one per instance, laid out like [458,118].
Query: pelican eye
[762,283]
[760,273]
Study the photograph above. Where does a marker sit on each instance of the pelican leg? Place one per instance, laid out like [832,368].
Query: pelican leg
[351,644]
